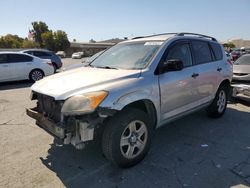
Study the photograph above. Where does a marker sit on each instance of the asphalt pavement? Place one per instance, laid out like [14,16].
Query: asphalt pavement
[195,151]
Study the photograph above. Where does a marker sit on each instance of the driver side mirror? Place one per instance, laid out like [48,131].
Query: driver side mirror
[172,65]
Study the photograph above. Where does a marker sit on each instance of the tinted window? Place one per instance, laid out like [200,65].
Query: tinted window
[181,52]
[201,52]
[29,52]
[41,54]
[15,58]
[3,58]
[217,51]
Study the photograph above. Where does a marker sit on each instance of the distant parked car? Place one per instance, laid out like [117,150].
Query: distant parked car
[235,55]
[46,54]
[19,66]
[61,54]
[77,55]
[85,62]
[241,68]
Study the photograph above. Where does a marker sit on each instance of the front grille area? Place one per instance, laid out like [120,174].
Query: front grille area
[49,107]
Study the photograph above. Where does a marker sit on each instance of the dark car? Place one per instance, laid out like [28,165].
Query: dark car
[46,54]
[235,55]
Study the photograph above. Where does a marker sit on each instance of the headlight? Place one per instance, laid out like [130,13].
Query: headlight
[82,104]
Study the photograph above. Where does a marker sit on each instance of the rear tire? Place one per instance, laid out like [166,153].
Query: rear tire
[217,108]
[36,75]
[126,138]
[55,67]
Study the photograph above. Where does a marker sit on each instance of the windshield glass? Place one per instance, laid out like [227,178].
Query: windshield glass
[243,60]
[93,57]
[134,55]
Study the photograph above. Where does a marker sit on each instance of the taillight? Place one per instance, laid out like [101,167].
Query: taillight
[50,63]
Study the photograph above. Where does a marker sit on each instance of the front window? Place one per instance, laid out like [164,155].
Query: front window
[134,55]
[243,60]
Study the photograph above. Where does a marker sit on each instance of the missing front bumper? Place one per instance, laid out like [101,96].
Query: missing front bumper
[46,124]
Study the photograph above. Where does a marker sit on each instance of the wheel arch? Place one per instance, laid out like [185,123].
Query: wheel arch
[55,64]
[225,83]
[146,106]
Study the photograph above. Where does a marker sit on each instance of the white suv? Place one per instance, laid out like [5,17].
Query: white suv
[131,89]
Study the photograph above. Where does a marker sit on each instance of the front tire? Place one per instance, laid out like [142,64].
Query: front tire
[126,137]
[218,107]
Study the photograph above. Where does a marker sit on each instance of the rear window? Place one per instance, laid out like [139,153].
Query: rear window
[216,50]
[16,58]
[41,54]
[202,52]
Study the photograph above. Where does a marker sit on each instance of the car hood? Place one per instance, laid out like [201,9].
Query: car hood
[241,68]
[81,80]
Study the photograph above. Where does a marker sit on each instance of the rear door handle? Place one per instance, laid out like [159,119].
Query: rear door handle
[219,69]
[194,75]
[5,65]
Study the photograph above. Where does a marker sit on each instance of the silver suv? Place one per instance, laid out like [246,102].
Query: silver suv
[130,90]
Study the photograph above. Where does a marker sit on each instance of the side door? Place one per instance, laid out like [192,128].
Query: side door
[20,65]
[176,87]
[5,72]
[207,70]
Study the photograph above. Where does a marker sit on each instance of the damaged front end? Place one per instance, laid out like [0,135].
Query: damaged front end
[74,121]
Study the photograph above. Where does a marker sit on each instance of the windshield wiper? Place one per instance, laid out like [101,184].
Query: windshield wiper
[106,67]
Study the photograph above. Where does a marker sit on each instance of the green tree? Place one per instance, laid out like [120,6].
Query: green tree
[29,44]
[11,41]
[61,40]
[38,29]
[48,40]
[229,45]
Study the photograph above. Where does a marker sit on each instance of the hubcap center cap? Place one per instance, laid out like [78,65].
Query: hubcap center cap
[133,139]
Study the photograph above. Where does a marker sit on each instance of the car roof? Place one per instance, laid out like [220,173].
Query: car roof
[39,50]
[10,52]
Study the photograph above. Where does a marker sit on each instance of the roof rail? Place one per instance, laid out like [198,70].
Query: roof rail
[196,34]
[155,35]
[177,34]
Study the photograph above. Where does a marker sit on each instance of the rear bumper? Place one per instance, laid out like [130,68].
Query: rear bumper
[46,124]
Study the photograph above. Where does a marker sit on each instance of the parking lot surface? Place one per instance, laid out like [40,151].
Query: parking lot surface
[195,151]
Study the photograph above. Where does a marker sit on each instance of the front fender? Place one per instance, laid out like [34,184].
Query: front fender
[120,102]
[131,97]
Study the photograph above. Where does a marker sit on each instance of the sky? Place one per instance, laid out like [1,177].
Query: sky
[105,19]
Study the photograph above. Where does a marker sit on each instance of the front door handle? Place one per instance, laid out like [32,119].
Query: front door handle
[5,65]
[194,75]
[219,69]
